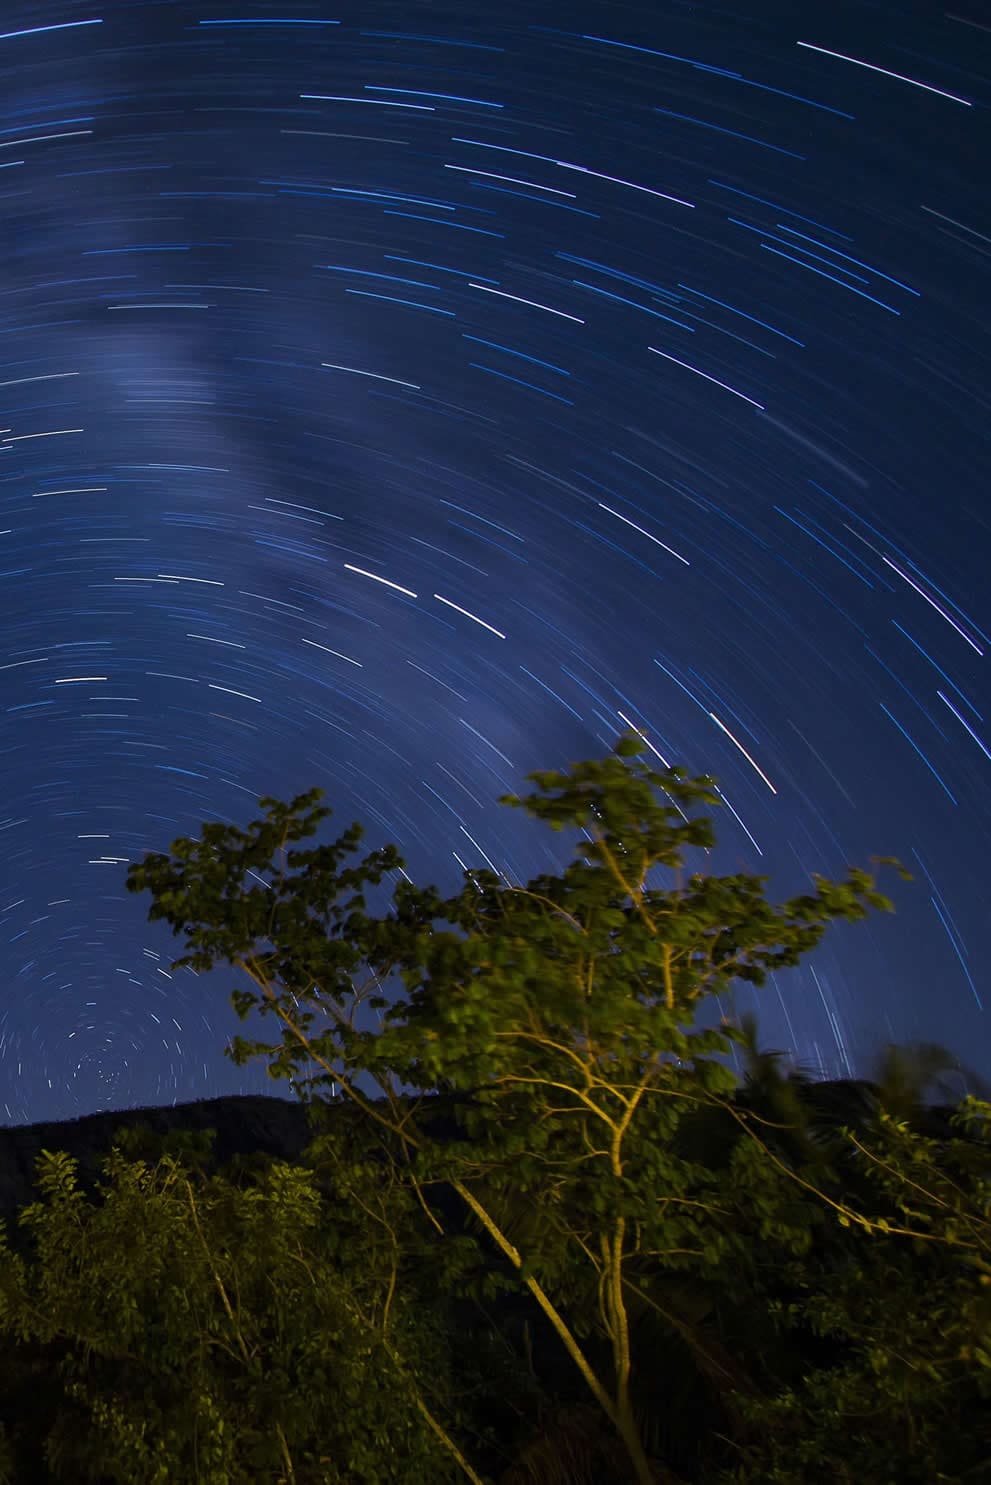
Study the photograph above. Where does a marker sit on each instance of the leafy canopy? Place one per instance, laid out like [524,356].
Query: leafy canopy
[569,1017]
[206,1333]
[614,955]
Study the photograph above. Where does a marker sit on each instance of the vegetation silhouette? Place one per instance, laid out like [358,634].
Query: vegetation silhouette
[542,1232]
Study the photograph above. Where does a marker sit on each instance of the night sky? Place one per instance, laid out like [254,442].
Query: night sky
[400,398]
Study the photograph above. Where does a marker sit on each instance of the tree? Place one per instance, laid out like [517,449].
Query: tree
[571,1019]
[193,1331]
[217,1329]
[885,1324]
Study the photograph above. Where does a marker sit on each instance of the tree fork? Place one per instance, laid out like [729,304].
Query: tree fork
[622,1420]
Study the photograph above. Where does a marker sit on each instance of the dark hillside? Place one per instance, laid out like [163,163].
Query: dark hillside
[247,1125]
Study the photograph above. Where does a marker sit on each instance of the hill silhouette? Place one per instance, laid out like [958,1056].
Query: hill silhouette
[246,1124]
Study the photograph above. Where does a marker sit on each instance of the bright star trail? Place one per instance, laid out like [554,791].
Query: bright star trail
[398,399]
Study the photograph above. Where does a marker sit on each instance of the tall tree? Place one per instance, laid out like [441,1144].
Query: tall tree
[573,1019]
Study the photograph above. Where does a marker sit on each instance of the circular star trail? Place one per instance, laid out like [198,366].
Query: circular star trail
[397,399]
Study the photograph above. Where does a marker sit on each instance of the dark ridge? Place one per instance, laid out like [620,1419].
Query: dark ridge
[250,1124]
[245,1125]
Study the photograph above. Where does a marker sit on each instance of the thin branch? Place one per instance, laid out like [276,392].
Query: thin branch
[535,1082]
[931,1195]
[631,892]
[216,1276]
[287,1457]
[858,1218]
[539,897]
[543,1041]
[975,1224]
[433,1423]
[690,1337]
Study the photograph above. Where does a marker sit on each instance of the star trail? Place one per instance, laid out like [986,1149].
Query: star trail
[398,399]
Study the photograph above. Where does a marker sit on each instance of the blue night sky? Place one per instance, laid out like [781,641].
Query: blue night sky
[397,399]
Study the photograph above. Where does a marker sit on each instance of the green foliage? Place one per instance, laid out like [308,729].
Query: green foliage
[545,1236]
[902,1310]
[205,1333]
[570,1017]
